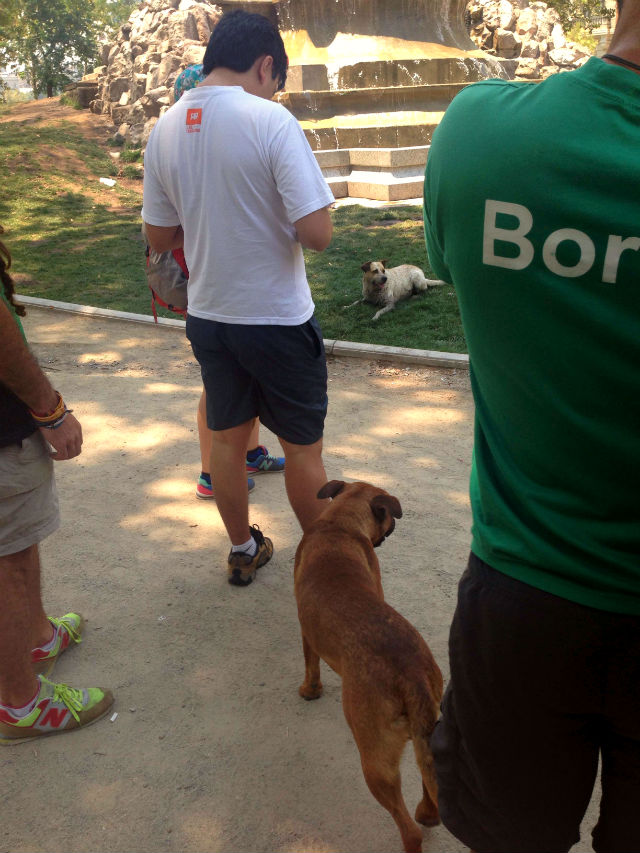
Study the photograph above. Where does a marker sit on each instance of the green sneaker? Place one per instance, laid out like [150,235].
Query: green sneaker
[67,631]
[58,709]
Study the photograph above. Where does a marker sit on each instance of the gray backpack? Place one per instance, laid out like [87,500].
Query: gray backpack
[167,282]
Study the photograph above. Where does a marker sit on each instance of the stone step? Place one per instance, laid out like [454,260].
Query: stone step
[400,129]
[261,7]
[318,105]
[362,186]
[381,174]
[385,73]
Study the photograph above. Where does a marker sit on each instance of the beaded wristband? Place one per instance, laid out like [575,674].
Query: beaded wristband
[59,422]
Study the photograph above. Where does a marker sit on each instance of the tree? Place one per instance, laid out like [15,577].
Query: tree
[585,13]
[110,14]
[56,41]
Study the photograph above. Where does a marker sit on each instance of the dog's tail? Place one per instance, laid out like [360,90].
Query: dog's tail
[431,282]
[422,711]
[422,283]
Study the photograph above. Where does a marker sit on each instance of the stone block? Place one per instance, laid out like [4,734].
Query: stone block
[117,87]
[119,115]
[507,19]
[333,158]
[339,186]
[390,158]
[527,22]
[507,44]
[303,77]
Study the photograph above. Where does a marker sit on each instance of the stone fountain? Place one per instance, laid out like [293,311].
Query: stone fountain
[369,81]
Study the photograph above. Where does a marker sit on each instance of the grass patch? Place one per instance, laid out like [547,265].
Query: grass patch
[429,321]
[131,155]
[75,240]
[131,171]
[70,101]
[72,239]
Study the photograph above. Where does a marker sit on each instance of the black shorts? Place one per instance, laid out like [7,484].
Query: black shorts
[540,689]
[276,373]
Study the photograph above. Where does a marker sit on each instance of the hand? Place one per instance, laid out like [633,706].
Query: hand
[66,440]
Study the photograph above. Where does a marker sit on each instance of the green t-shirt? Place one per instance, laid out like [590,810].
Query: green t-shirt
[532,210]
[13,311]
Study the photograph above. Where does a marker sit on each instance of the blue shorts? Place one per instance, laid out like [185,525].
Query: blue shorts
[276,373]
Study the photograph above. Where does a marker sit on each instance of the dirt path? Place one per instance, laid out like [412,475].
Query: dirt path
[212,749]
[51,111]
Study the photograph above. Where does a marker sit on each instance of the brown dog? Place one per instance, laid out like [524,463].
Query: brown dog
[391,685]
[385,287]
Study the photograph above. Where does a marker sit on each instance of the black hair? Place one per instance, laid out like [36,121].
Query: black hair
[5,278]
[239,39]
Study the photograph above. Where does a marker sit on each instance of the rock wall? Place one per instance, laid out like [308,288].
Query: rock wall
[528,37]
[135,82]
[134,85]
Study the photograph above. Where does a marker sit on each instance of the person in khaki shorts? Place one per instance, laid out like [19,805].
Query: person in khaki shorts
[35,428]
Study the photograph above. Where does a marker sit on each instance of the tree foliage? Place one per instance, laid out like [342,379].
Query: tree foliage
[56,41]
[110,14]
[587,14]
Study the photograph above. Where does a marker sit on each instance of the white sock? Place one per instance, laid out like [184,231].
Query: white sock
[48,646]
[19,713]
[249,547]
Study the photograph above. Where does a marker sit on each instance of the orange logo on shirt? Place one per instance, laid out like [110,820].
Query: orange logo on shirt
[194,119]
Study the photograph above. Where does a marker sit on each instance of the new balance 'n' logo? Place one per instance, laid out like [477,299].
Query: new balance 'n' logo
[53,718]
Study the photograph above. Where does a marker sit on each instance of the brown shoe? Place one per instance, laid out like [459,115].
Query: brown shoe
[241,567]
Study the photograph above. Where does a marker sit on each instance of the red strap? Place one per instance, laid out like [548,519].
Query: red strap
[155,298]
[178,254]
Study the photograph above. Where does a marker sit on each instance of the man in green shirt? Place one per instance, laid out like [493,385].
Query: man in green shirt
[532,210]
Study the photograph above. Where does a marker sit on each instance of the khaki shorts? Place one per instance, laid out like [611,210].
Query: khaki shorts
[28,498]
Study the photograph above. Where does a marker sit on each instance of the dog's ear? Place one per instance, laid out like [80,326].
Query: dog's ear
[386,503]
[331,489]
[366,267]
[384,263]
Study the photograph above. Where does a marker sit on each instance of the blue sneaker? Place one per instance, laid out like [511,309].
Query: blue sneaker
[264,462]
[204,489]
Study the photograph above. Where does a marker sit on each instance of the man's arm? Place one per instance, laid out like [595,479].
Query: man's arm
[20,372]
[163,239]
[315,229]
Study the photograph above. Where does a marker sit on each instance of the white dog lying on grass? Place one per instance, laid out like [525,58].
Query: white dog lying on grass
[385,287]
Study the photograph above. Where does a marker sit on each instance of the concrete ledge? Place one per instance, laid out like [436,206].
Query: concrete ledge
[339,186]
[381,174]
[382,187]
[332,158]
[389,158]
[397,355]
[109,313]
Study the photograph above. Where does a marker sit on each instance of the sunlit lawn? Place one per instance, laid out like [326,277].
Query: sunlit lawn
[75,240]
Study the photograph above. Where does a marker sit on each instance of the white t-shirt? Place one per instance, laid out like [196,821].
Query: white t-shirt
[235,171]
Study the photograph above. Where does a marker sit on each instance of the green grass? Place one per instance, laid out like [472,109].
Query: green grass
[429,321]
[131,155]
[75,240]
[72,239]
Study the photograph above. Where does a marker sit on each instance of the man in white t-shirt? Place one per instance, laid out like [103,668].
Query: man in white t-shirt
[230,176]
